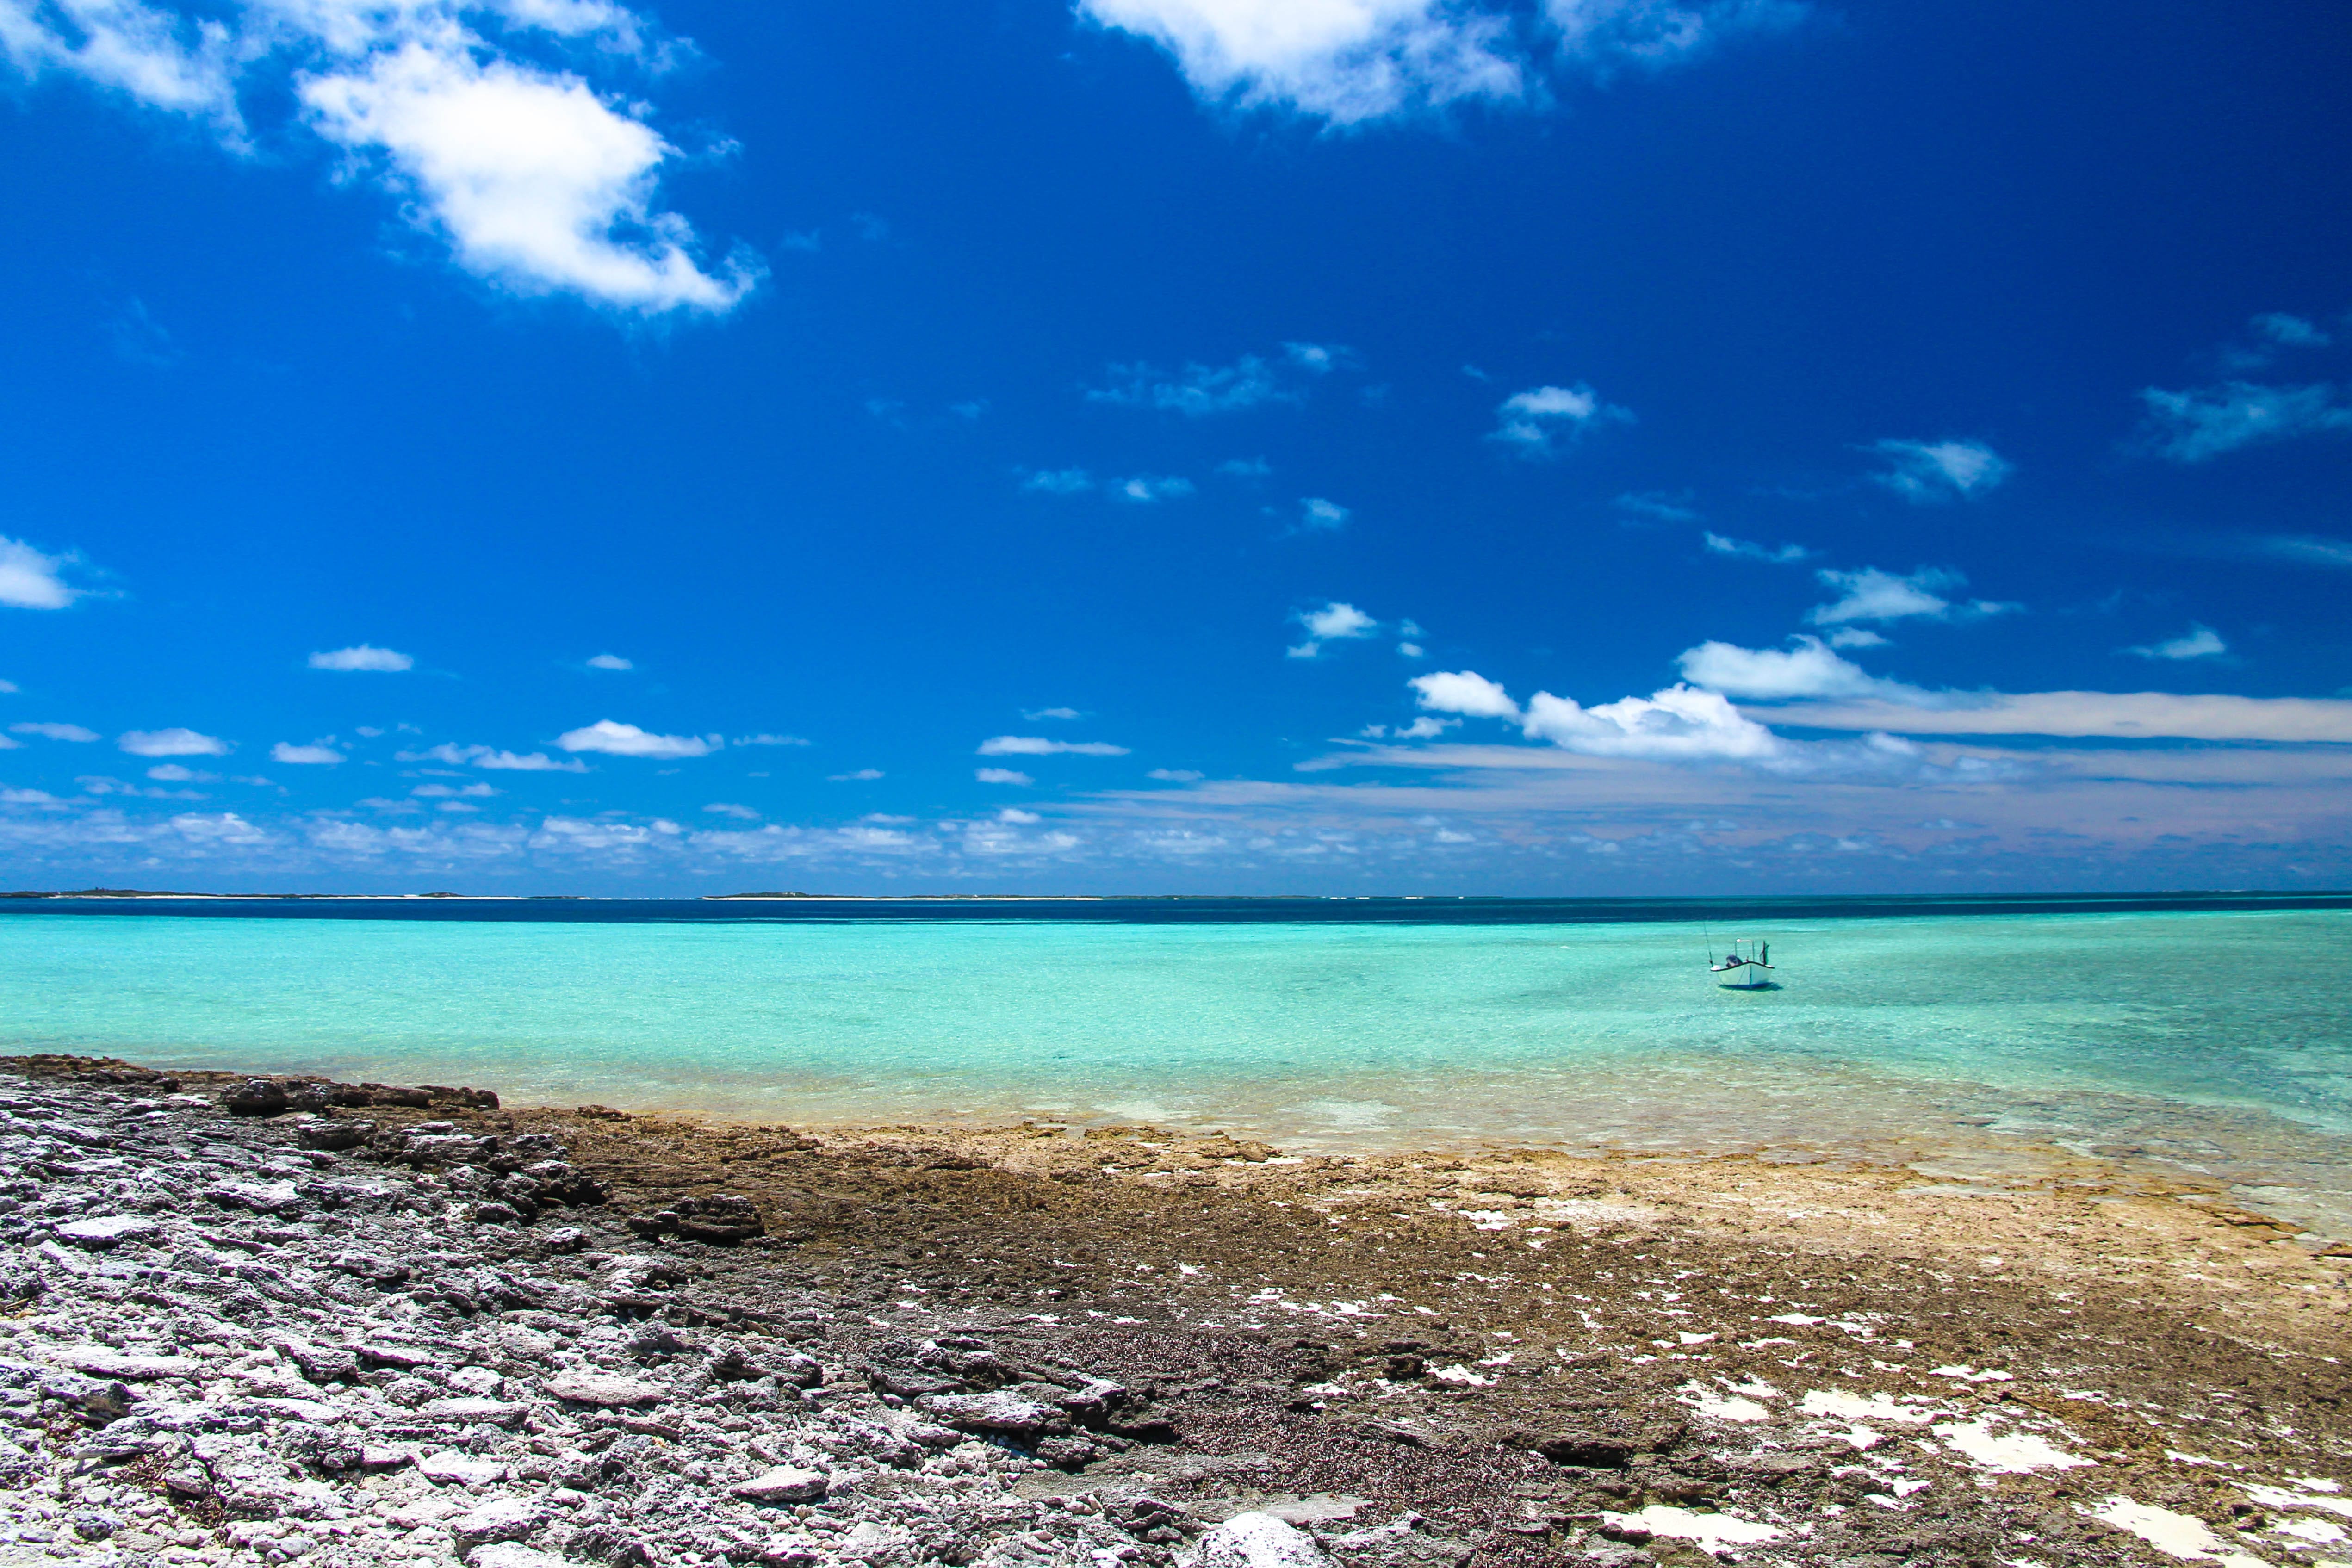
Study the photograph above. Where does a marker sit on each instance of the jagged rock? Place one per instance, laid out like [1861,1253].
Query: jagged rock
[255,1097]
[996,1411]
[103,1360]
[336,1135]
[785,1483]
[274,1197]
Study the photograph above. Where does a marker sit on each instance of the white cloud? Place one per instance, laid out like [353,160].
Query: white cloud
[2118,716]
[1035,714]
[611,662]
[1871,594]
[1542,420]
[2202,424]
[1778,674]
[1335,622]
[1320,358]
[304,755]
[728,808]
[535,180]
[1941,470]
[772,740]
[1316,515]
[174,742]
[1780,555]
[628,740]
[362,657]
[860,776]
[30,580]
[2197,642]
[56,731]
[445,792]
[1857,637]
[1059,481]
[1038,745]
[1351,61]
[1341,60]
[1463,692]
[172,773]
[1148,487]
[1176,775]
[1001,776]
[1019,817]
[1677,724]
[9,687]
[8,745]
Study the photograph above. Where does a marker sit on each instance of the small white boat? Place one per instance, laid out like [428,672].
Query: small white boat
[1750,969]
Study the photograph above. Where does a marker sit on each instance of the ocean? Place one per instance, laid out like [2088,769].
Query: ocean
[2201,1034]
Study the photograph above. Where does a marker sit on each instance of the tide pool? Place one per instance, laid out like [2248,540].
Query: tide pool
[2211,1040]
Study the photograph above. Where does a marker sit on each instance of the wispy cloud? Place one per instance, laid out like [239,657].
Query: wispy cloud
[1334,623]
[1001,776]
[315,753]
[493,759]
[1871,595]
[2311,549]
[362,657]
[1035,714]
[611,662]
[1351,63]
[172,742]
[617,740]
[1039,746]
[1542,422]
[1058,480]
[1318,515]
[2197,642]
[1146,488]
[1778,554]
[73,732]
[2203,422]
[33,580]
[1657,506]
[771,740]
[856,776]
[1251,382]
[1924,471]
[473,115]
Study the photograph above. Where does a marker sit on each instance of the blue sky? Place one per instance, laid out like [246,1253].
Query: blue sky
[1340,446]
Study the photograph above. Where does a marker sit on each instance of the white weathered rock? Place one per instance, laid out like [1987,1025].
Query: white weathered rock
[447,1466]
[108,1230]
[605,1390]
[500,1519]
[1256,1540]
[507,1555]
[785,1483]
[103,1360]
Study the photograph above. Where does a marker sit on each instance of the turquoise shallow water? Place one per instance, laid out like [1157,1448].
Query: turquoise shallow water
[2214,1039]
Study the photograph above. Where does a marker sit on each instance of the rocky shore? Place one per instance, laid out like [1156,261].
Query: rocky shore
[264,1320]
